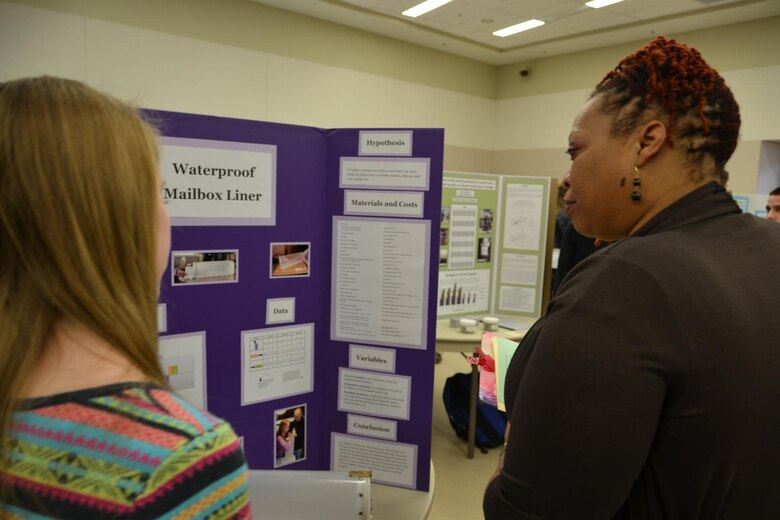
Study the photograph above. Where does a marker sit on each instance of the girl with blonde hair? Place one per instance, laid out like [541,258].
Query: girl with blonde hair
[88,425]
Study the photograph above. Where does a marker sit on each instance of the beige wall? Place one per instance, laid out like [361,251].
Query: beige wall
[236,58]
[740,46]
[249,25]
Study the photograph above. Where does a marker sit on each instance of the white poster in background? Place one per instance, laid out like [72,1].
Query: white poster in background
[276,362]
[380,281]
[218,182]
[464,292]
[392,463]
[523,216]
[383,203]
[463,236]
[371,393]
[517,299]
[182,357]
[400,173]
[519,269]
[468,183]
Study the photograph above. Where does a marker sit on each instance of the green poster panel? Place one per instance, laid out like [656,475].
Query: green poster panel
[467,243]
[522,245]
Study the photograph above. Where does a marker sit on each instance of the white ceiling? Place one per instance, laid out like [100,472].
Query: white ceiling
[464,27]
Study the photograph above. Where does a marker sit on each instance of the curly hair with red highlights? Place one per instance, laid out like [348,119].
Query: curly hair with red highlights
[670,80]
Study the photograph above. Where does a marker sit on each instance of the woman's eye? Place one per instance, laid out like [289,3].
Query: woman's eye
[571,152]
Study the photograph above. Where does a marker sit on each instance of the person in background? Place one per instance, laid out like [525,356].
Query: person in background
[650,387]
[574,248]
[561,219]
[88,426]
[298,427]
[773,205]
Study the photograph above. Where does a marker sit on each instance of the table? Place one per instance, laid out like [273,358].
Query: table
[314,495]
[451,339]
[394,503]
[293,270]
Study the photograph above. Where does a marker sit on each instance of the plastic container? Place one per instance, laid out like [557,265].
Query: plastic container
[490,323]
[468,326]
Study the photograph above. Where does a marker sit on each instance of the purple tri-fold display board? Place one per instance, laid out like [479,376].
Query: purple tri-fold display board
[299,303]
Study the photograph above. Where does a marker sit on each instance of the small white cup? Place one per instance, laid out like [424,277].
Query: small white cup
[467,325]
[490,323]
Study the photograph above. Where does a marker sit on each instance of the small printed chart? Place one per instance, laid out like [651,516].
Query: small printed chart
[180,372]
[277,362]
[182,358]
[283,349]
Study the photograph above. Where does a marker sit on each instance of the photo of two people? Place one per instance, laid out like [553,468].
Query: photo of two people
[290,437]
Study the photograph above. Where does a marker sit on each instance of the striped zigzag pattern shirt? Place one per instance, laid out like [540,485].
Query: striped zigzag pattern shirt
[129,450]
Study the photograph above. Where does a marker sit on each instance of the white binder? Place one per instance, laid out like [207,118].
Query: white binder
[309,495]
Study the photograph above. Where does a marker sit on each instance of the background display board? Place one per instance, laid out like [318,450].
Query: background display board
[467,243]
[301,282]
[493,242]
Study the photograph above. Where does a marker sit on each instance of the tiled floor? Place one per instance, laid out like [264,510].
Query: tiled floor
[460,482]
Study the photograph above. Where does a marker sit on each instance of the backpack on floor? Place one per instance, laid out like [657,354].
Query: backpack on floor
[491,422]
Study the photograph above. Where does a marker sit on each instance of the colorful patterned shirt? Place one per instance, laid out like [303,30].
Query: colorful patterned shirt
[129,450]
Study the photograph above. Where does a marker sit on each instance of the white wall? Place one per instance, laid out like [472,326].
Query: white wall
[525,134]
[164,71]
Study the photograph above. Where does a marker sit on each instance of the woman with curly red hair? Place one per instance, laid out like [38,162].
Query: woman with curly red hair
[650,389]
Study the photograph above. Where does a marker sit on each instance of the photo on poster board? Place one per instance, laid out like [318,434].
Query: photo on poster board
[445,215]
[290,259]
[484,249]
[290,437]
[200,267]
[485,220]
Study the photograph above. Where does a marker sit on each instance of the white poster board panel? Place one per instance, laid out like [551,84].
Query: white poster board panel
[276,362]
[218,183]
[392,463]
[182,357]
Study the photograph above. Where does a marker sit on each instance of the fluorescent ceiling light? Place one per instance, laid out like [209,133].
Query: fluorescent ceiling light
[428,5]
[595,4]
[514,29]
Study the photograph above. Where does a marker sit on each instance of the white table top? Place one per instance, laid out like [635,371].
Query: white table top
[451,339]
[394,503]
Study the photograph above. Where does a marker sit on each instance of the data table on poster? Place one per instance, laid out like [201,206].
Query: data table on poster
[282,349]
[277,362]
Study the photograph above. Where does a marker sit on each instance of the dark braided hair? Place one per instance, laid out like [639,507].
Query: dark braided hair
[670,79]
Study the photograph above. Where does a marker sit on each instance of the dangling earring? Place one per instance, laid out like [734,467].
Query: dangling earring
[635,195]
